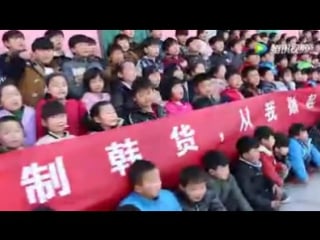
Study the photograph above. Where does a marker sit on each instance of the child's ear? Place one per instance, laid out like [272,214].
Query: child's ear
[43,123]
[119,74]
[211,172]
[97,119]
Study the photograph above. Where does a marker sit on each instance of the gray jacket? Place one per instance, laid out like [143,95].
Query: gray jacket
[230,194]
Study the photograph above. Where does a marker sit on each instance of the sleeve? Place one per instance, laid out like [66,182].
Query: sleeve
[40,130]
[297,163]
[215,203]
[14,68]
[31,131]
[237,195]
[315,155]
[83,116]
[270,172]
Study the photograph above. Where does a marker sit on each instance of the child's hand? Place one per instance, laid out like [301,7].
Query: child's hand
[275,204]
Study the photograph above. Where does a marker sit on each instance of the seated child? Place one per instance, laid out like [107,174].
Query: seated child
[172,50]
[154,75]
[103,117]
[267,83]
[314,134]
[281,150]
[193,55]
[252,60]
[57,88]
[223,183]
[193,194]
[232,92]
[302,152]
[300,77]
[260,191]
[172,91]
[193,70]
[124,42]
[267,61]
[285,82]
[147,194]
[11,134]
[115,57]
[146,110]
[54,119]
[95,87]
[11,105]
[313,78]
[251,81]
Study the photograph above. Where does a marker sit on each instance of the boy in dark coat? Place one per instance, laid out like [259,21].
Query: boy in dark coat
[251,81]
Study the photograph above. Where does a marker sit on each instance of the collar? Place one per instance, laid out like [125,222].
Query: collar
[126,84]
[256,165]
[55,136]
[266,151]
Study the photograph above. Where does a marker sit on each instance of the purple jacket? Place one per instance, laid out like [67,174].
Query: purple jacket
[28,122]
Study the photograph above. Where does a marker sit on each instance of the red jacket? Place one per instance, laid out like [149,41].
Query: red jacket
[168,60]
[270,167]
[76,112]
[231,94]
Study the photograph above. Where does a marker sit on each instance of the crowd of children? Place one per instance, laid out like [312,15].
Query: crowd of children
[46,97]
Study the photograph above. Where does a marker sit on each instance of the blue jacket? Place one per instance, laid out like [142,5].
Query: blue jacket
[166,201]
[300,155]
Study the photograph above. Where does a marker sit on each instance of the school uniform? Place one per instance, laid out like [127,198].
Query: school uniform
[52,138]
[138,116]
[203,102]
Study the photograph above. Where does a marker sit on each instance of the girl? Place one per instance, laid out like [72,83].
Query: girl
[11,105]
[172,90]
[103,117]
[154,75]
[11,134]
[57,88]
[95,87]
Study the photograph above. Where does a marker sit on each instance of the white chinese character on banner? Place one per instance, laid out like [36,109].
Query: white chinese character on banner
[184,137]
[292,105]
[122,155]
[42,182]
[270,111]
[245,119]
[221,136]
[311,101]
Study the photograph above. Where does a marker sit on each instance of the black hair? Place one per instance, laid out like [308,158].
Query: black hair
[283,36]
[121,37]
[263,35]
[192,174]
[120,67]
[245,72]
[199,32]
[251,52]
[243,33]
[296,128]
[182,32]
[141,84]
[149,41]
[190,40]
[214,159]
[12,34]
[138,169]
[168,43]
[281,140]
[234,42]
[295,69]
[279,57]
[249,41]
[284,71]
[52,33]
[306,71]
[263,132]
[113,48]
[199,78]
[43,208]
[264,70]
[10,118]
[193,65]
[215,39]
[92,125]
[95,110]
[53,75]
[6,84]
[231,72]
[42,43]
[90,74]
[146,72]
[166,86]
[127,208]
[255,36]
[52,108]
[290,38]
[78,38]
[245,144]
[215,69]
[272,35]
[170,69]
[265,53]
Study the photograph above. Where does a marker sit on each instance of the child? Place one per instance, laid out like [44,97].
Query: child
[281,62]
[218,56]
[232,92]
[172,51]
[11,134]
[281,150]
[54,119]
[182,36]
[74,69]
[193,194]
[302,153]
[124,42]
[154,76]
[235,54]
[146,110]
[57,89]
[301,77]
[103,117]
[267,83]
[252,59]
[267,60]
[115,58]
[172,91]
[94,52]
[286,82]
[204,90]
[223,183]
[95,87]
[157,35]
[251,79]
[11,105]
[313,79]
[218,74]
[272,169]
[193,55]
[147,194]
[261,193]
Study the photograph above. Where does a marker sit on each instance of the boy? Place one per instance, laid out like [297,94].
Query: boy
[130,35]
[275,171]
[302,153]
[235,54]
[267,60]
[251,59]
[54,118]
[193,194]
[281,150]
[251,79]
[172,54]
[157,35]
[147,194]
[203,87]
[223,183]
[193,54]
[124,42]
[75,68]
[94,52]
[218,56]
[261,193]
[11,134]
[232,92]
[143,95]
[267,83]
[57,38]
[313,78]
[182,36]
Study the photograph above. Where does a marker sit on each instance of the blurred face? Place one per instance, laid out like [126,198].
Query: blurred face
[11,98]
[11,135]
[150,185]
[200,68]
[107,117]
[317,48]
[235,81]
[177,92]
[58,88]
[144,98]
[308,35]
[15,44]
[182,39]
[195,46]
[153,51]
[117,57]
[315,62]
[298,76]
[44,56]
[129,33]
[222,172]
[293,41]
[195,191]
[254,60]
[269,143]
[203,36]
[252,156]
[304,136]
[283,151]
[96,84]
[205,88]
[253,78]
[156,33]
[238,48]
[174,49]
[57,42]
[269,57]
[82,49]
[56,124]
[304,77]
[221,72]
[129,72]
[284,63]
[218,46]
[315,76]
[293,60]
[124,44]
[225,35]
[155,78]
[287,76]
[269,77]
[178,74]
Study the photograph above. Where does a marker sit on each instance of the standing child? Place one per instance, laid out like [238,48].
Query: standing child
[11,105]
[232,92]
[95,88]
[54,119]
[57,86]
[11,134]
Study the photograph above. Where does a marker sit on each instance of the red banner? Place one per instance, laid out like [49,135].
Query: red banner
[88,173]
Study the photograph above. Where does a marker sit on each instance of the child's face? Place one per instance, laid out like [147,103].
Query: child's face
[96,84]
[221,172]
[117,57]
[58,88]
[225,35]
[129,33]
[235,81]
[218,46]
[107,116]
[293,59]
[11,135]
[57,42]
[253,155]
[269,57]
[174,49]
[57,123]
[268,143]
[253,78]
[298,76]
[283,151]
[238,48]
[205,88]
[152,50]
[284,63]
[315,76]
[304,77]
[177,92]
[155,78]
[144,97]
[287,76]
[124,44]
[81,49]
[150,185]
[315,61]
[304,136]
[15,44]
[178,74]
[182,39]
[195,46]
[156,34]
[269,77]
[195,191]
[44,56]
[200,68]
[203,36]
[221,72]
[11,98]
[317,48]
[129,72]
[254,60]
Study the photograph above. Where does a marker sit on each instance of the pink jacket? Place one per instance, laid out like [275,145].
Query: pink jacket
[175,108]
[89,99]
